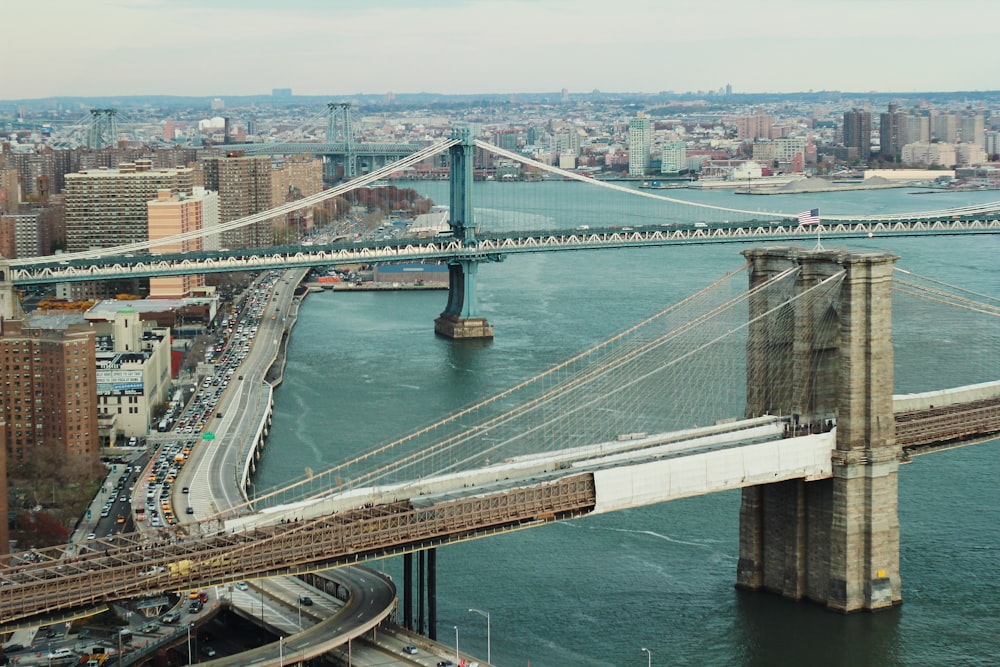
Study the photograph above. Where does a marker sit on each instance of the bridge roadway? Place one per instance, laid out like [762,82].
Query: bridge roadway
[376,522]
[523,492]
[486,247]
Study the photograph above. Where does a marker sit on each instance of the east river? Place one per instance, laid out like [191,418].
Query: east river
[364,367]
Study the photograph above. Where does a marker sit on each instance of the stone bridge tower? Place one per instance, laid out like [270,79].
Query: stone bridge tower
[834,541]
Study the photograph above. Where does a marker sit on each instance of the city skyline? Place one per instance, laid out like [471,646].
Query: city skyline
[145,47]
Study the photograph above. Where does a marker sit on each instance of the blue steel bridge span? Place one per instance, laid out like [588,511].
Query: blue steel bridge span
[486,246]
[469,242]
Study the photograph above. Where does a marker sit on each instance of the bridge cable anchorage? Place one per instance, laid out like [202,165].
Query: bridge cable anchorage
[311,200]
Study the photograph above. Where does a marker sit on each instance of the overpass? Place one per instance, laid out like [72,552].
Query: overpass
[813,444]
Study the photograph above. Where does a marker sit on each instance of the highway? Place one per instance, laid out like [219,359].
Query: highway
[215,472]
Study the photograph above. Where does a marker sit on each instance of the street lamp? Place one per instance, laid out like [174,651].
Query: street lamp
[649,657]
[489,656]
[457,661]
[189,642]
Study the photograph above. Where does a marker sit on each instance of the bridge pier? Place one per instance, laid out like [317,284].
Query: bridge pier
[833,541]
[460,318]
[427,591]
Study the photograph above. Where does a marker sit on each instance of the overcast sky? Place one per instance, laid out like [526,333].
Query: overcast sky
[342,47]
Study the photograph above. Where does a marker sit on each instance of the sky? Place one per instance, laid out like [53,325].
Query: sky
[344,47]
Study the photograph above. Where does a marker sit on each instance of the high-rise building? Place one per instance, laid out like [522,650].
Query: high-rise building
[974,128]
[244,186]
[23,235]
[107,207]
[171,214]
[640,140]
[916,129]
[48,392]
[858,132]
[946,128]
[674,157]
[890,131]
[754,126]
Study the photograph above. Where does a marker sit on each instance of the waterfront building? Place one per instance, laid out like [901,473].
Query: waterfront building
[673,157]
[171,214]
[968,154]
[927,155]
[107,207]
[640,140]
[244,186]
[48,393]
[858,132]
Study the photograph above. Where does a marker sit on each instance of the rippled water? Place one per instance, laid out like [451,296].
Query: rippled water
[364,367]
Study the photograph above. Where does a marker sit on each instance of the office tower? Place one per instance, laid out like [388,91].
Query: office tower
[172,214]
[640,140]
[49,395]
[107,207]
[244,186]
[858,132]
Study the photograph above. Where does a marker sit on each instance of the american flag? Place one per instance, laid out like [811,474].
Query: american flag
[810,217]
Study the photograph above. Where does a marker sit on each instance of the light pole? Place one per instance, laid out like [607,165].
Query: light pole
[649,657]
[489,656]
[299,605]
[281,651]
[457,661]
[189,642]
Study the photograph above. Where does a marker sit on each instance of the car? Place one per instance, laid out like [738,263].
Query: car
[241,585]
[91,536]
[196,607]
[445,663]
[412,650]
[208,651]
[305,600]
[59,654]
[189,510]
[171,617]
[185,490]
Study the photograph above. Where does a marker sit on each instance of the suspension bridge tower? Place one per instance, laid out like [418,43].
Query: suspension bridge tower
[339,130]
[103,129]
[460,318]
[834,541]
